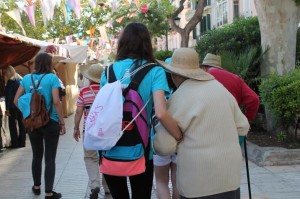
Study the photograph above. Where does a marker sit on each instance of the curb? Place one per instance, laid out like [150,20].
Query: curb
[271,156]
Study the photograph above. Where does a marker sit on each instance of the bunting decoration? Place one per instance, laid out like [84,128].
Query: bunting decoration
[67,12]
[114,6]
[131,14]
[29,2]
[103,33]
[93,3]
[47,10]
[69,39]
[30,10]
[15,15]
[75,6]
[137,3]
[120,19]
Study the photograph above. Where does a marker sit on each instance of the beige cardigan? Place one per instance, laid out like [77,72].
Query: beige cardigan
[209,158]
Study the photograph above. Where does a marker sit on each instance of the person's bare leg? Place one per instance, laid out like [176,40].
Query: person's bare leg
[175,194]
[162,181]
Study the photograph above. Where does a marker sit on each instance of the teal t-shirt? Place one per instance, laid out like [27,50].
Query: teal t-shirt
[49,82]
[154,80]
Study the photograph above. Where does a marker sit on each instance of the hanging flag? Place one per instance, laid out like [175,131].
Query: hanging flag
[127,3]
[92,32]
[131,14]
[29,2]
[75,6]
[47,7]
[93,3]
[67,12]
[103,33]
[114,6]
[15,15]
[137,3]
[69,39]
[120,19]
[109,24]
[30,10]
[21,5]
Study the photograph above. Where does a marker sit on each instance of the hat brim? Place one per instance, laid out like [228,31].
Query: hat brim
[84,71]
[212,65]
[197,74]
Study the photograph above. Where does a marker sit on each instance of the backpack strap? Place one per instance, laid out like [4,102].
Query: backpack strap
[36,87]
[110,74]
[139,76]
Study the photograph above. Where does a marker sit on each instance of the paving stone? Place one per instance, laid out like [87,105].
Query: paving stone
[270,182]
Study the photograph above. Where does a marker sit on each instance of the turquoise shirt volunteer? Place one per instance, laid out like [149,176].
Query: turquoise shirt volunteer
[154,80]
[49,82]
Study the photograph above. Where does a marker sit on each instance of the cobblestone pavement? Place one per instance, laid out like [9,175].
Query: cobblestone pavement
[274,182]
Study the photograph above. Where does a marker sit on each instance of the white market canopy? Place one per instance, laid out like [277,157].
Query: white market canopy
[16,49]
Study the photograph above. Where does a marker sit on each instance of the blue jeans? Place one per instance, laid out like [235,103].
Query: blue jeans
[46,138]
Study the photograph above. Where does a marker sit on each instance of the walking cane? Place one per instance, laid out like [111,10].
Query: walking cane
[247,168]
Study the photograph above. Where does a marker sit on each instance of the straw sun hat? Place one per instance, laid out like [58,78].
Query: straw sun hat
[212,60]
[92,72]
[185,62]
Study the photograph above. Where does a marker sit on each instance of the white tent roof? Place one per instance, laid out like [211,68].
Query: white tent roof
[73,53]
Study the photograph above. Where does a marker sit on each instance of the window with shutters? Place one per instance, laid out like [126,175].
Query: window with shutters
[236,10]
[222,12]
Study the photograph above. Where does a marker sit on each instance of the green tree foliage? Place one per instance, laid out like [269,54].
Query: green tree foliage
[155,18]
[281,95]
[244,64]
[235,37]
[57,27]
[239,46]
[162,54]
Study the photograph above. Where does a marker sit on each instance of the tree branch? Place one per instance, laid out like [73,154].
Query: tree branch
[197,17]
[174,15]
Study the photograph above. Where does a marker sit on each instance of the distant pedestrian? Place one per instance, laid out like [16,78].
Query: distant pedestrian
[44,140]
[17,135]
[84,102]
[246,98]
[62,89]
[209,157]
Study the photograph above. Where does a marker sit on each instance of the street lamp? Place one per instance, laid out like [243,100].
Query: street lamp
[177,20]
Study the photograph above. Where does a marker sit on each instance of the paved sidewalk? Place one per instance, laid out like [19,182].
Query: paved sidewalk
[276,182]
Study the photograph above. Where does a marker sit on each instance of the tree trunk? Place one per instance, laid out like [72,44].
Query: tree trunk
[184,39]
[278,21]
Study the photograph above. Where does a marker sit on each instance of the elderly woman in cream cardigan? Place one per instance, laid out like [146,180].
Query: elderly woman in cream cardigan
[209,160]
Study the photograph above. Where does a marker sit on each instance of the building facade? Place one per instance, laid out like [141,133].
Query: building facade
[216,14]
